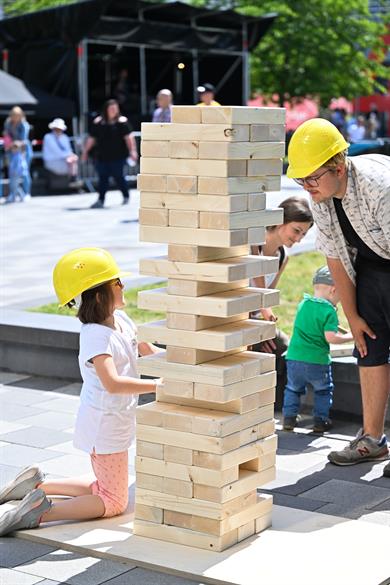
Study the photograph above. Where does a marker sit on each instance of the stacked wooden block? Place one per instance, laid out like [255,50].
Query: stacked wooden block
[208,441]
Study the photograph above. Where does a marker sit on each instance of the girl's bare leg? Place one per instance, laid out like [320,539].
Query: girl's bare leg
[70,486]
[78,508]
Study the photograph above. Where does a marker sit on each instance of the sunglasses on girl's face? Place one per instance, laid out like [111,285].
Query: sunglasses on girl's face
[117,282]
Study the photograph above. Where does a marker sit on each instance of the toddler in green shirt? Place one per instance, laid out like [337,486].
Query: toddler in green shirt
[308,356]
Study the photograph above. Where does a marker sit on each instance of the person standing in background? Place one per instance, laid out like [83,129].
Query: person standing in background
[111,135]
[206,95]
[163,111]
[19,150]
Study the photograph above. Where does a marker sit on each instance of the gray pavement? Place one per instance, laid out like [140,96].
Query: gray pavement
[36,233]
[36,425]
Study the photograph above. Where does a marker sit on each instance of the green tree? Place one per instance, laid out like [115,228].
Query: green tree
[322,48]
[17,7]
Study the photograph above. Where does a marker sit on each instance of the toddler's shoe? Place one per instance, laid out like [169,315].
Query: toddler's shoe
[289,423]
[27,514]
[24,482]
[321,425]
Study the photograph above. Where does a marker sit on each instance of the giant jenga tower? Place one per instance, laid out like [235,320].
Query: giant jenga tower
[208,442]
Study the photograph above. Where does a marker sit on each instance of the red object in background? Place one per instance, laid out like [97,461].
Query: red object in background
[299,111]
[341,103]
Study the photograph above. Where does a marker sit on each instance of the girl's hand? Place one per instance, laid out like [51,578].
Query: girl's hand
[268,315]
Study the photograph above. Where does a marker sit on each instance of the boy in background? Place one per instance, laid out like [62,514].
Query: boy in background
[308,356]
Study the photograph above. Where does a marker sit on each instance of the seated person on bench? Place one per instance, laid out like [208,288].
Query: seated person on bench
[57,153]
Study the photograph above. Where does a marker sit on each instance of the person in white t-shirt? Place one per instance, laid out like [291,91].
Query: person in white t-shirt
[105,424]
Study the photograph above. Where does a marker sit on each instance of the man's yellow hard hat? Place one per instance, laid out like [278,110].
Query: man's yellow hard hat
[313,143]
[81,269]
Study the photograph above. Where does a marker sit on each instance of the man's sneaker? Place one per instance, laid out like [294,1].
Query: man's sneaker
[27,514]
[289,423]
[97,205]
[386,470]
[362,448]
[24,482]
[322,425]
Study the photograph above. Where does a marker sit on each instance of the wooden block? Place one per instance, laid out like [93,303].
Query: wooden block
[243,219]
[186,115]
[182,253]
[184,149]
[259,383]
[154,450]
[154,217]
[149,513]
[257,448]
[152,183]
[208,168]
[231,185]
[256,201]
[260,463]
[267,132]
[191,202]
[196,507]
[177,455]
[187,355]
[247,481]
[338,350]
[240,150]
[150,482]
[183,218]
[239,406]
[186,473]
[177,487]
[271,166]
[190,322]
[243,115]
[201,237]
[195,288]
[222,304]
[199,421]
[155,148]
[185,536]
[207,132]
[222,338]
[177,184]
[263,522]
[222,271]
[246,530]
[178,388]
[220,372]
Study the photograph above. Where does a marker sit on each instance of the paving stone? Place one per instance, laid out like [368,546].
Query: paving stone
[9,377]
[300,462]
[25,455]
[74,568]
[382,518]
[39,383]
[385,506]
[9,426]
[353,511]
[11,411]
[49,420]
[10,577]
[68,465]
[25,396]
[348,495]
[15,551]
[299,503]
[34,437]
[69,404]
[8,472]
[71,389]
[140,576]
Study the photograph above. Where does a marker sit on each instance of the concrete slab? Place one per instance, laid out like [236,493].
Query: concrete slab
[48,420]
[11,577]
[249,563]
[33,437]
[14,551]
[24,455]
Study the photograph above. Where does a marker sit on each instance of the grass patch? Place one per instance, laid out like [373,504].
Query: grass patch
[295,280]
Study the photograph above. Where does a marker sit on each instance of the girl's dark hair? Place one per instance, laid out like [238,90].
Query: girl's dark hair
[106,105]
[96,304]
[296,209]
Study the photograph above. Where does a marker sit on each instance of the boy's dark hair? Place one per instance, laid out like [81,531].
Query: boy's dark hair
[94,310]
[295,209]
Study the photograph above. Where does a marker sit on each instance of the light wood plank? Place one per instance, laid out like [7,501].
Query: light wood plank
[154,217]
[201,237]
[244,219]
[240,150]
[155,148]
[262,167]
[183,149]
[243,115]
[186,184]
[181,253]
[208,132]
[186,115]
[152,183]
[247,481]
[183,218]
[195,202]
[232,185]
[267,132]
[209,168]
[190,322]
[197,288]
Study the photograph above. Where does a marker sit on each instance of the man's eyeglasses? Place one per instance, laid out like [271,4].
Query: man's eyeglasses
[312,181]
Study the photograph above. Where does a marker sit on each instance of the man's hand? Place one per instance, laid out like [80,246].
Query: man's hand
[358,328]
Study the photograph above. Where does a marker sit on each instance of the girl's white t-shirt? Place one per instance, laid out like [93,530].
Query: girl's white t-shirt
[106,422]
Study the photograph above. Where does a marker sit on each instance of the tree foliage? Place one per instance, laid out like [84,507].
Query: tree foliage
[323,48]
[17,7]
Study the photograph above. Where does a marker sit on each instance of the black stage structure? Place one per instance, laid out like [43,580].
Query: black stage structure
[80,51]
